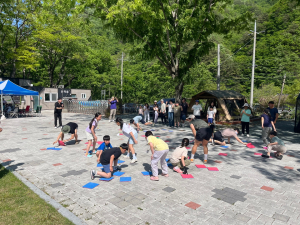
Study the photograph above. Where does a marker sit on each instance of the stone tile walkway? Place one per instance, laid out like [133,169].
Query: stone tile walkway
[247,189]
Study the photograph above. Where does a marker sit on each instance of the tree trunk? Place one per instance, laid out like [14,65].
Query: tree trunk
[178,91]
[13,71]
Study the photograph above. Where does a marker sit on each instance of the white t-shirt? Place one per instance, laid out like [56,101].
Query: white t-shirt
[210,114]
[177,154]
[127,129]
[197,109]
[145,109]
[170,108]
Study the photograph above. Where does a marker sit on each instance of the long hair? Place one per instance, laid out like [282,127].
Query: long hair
[266,111]
[119,120]
[147,106]
[91,123]
[185,142]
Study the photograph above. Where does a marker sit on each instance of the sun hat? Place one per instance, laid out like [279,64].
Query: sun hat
[155,101]
[246,104]
[66,129]
[191,117]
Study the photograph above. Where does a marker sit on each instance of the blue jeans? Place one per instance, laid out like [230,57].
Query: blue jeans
[171,119]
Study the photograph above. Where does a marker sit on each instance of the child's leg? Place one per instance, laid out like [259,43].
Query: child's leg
[94,146]
[154,163]
[243,127]
[270,148]
[247,127]
[88,147]
[164,165]
[130,147]
[106,173]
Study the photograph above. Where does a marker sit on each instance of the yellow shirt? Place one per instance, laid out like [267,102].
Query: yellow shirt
[158,144]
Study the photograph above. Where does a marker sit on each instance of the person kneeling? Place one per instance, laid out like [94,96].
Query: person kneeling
[179,158]
[226,133]
[107,159]
[276,145]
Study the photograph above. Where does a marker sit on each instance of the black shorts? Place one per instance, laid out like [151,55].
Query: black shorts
[203,133]
[142,121]
[218,136]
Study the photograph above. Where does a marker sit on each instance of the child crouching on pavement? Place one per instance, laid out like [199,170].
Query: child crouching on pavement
[179,158]
[276,145]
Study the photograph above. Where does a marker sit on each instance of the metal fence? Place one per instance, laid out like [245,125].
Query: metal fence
[86,107]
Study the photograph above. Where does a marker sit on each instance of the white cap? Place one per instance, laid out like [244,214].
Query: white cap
[191,117]
[161,100]
[155,101]
[246,104]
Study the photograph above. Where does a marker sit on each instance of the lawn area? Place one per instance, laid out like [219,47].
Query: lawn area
[20,205]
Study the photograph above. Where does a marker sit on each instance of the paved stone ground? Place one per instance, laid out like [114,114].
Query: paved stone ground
[247,189]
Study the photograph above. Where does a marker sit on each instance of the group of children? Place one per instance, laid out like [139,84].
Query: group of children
[202,131]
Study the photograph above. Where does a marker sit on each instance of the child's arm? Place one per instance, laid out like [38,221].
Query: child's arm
[273,125]
[182,161]
[152,149]
[58,138]
[193,129]
[93,132]
[100,152]
[72,136]
[207,115]
[262,122]
[112,159]
[214,116]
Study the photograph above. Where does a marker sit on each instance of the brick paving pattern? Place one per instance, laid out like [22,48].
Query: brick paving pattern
[247,189]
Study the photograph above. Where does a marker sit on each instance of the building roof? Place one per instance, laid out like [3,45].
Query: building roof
[221,94]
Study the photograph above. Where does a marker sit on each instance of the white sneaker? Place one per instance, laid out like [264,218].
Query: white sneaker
[248,135]
[126,156]
[133,160]
[242,135]
[55,127]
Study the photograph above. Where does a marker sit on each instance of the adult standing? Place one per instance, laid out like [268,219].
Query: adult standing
[197,108]
[154,106]
[184,108]
[245,120]
[113,108]
[146,113]
[163,112]
[273,112]
[171,113]
[58,107]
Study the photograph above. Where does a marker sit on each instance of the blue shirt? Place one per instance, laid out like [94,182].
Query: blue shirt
[104,147]
[137,119]
[273,113]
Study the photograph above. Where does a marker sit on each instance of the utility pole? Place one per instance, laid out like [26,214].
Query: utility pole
[218,76]
[281,90]
[122,77]
[253,67]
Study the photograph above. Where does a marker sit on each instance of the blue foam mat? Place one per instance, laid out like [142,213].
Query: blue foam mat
[146,173]
[121,161]
[118,173]
[52,148]
[106,179]
[90,185]
[125,179]
[224,146]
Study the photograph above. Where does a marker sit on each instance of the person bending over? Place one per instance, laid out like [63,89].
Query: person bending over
[108,159]
[226,133]
[135,121]
[70,128]
[104,146]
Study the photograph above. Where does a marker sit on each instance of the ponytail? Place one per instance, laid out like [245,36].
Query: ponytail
[185,142]
[266,111]
[91,123]
[119,120]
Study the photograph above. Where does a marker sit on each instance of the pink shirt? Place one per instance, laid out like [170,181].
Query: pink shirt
[229,133]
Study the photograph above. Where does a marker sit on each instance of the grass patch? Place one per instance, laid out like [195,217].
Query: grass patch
[20,205]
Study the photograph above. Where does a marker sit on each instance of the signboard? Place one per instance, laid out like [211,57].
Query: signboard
[8,99]
[64,93]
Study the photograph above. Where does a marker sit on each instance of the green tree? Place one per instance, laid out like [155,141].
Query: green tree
[174,32]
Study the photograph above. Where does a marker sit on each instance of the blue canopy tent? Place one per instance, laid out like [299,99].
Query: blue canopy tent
[9,88]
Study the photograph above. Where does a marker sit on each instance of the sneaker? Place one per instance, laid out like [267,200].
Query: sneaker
[92,174]
[248,135]
[177,170]
[133,160]
[192,160]
[55,127]
[126,156]
[205,161]
[242,135]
